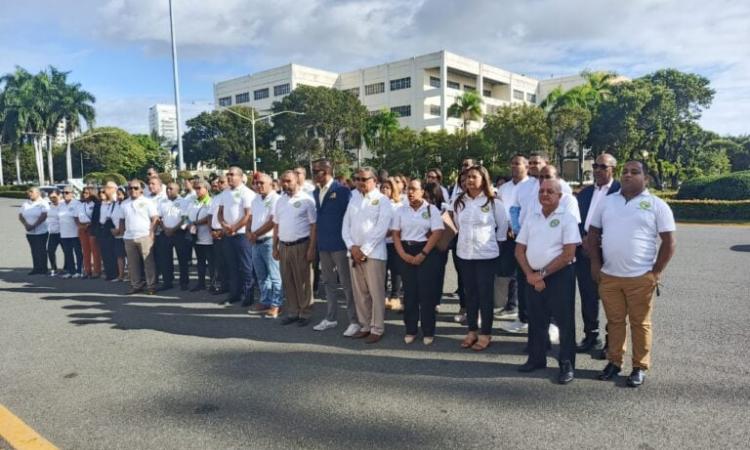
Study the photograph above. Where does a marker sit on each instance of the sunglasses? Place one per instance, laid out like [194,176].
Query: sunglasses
[546,177]
[362,178]
[600,166]
[134,188]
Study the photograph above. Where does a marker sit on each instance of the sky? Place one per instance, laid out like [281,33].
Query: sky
[119,50]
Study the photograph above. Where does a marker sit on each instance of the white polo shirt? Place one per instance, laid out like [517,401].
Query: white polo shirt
[137,214]
[198,211]
[508,192]
[263,209]
[567,202]
[235,202]
[117,217]
[85,211]
[170,212]
[395,206]
[53,219]
[67,215]
[32,211]
[415,225]
[630,232]
[544,237]
[596,198]
[105,212]
[294,215]
[480,227]
[366,221]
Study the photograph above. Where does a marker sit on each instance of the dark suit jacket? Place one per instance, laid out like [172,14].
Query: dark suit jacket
[584,201]
[331,217]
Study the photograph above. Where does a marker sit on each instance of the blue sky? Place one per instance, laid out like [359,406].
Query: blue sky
[119,49]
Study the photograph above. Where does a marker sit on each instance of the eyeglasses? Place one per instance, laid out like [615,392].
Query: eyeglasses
[134,188]
[362,178]
[67,192]
[600,166]
[546,177]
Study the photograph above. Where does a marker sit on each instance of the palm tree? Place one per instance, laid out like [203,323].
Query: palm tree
[467,107]
[379,129]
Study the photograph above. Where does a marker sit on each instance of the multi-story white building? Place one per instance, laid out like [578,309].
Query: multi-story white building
[419,89]
[162,120]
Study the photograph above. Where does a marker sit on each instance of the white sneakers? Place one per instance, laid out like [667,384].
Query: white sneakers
[352,330]
[554,334]
[77,275]
[516,327]
[66,276]
[326,325]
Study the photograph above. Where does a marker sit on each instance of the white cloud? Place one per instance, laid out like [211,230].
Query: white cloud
[540,37]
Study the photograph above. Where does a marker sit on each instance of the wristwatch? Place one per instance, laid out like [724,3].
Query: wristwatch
[543,272]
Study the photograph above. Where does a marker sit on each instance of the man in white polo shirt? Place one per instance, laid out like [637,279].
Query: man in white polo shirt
[234,214]
[545,250]
[629,225]
[294,243]
[260,235]
[366,222]
[139,222]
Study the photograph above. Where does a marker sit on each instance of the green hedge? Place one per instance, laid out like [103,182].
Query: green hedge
[720,210]
[734,186]
[15,187]
[13,194]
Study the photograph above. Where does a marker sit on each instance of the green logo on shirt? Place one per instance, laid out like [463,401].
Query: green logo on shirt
[486,208]
[645,205]
[297,204]
[375,202]
[554,223]
[425,215]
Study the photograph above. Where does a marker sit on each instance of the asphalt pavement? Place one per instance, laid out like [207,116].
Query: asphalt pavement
[90,368]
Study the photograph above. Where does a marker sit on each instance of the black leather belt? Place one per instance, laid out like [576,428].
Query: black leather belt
[262,240]
[298,241]
[413,243]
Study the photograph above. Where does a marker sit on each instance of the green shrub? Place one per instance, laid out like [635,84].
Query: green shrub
[721,210]
[13,194]
[691,189]
[735,186]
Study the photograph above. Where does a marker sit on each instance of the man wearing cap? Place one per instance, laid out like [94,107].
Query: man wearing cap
[636,231]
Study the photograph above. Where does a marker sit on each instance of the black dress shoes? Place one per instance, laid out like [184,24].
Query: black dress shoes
[636,377]
[590,342]
[530,366]
[566,373]
[288,320]
[302,322]
[610,371]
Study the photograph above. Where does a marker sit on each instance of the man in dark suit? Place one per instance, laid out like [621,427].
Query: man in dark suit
[331,200]
[588,200]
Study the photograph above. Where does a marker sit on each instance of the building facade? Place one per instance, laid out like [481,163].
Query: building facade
[420,89]
[162,121]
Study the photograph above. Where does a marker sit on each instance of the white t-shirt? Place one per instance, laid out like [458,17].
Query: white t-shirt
[199,211]
[415,225]
[366,222]
[117,217]
[294,215]
[480,227]
[630,231]
[263,209]
[138,214]
[67,215]
[544,237]
[395,206]
[53,219]
[235,202]
[32,211]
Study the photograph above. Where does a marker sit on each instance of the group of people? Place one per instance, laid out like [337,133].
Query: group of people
[519,245]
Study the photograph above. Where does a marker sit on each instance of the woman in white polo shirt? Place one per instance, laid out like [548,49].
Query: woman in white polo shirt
[482,225]
[33,216]
[416,227]
[68,218]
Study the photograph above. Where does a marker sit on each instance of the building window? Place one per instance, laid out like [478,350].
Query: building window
[402,111]
[435,82]
[260,94]
[353,91]
[487,93]
[280,144]
[469,88]
[434,110]
[454,85]
[517,95]
[401,83]
[281,89]
[375,88]
[242,98]
[225,101]
[531,97]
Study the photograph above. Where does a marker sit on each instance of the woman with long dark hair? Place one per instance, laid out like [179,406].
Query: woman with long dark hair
[390,187]
[433,193]
[482,224]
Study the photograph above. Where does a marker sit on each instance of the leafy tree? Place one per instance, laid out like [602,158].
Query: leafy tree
[467,107]
[378,131]
[110,149]
[157,156]
[517,129]
[739,154]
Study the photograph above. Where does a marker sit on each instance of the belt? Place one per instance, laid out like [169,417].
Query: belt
[298,241]
[413,243]
[262,240]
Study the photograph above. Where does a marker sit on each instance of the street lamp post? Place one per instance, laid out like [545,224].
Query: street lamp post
[176,89]
[254,119]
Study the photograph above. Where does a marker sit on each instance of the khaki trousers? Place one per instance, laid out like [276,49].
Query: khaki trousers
[140,253]
[296,279]
[368,285]
[632,299]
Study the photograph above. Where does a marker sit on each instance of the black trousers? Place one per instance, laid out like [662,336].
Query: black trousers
[589,292]
[52,243]
[393,267]
[459,279]
[220,280]
[204,256]
[421,290]
[107,247]
[441,273]
[177,243]
[72,247]
[556,301]
[478,276]
[38,245]
[523,313]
